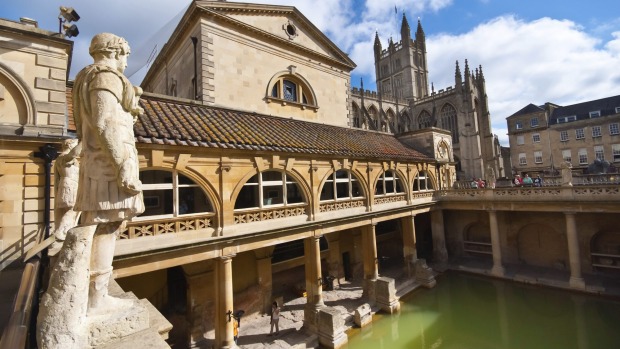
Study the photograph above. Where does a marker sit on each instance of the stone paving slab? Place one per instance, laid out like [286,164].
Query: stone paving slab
[254,329]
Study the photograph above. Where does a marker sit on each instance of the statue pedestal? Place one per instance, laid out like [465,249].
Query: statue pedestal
[114,326]
[138,326]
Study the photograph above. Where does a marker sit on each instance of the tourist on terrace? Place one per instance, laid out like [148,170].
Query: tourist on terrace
[275,318]
[527,181]
[518,181]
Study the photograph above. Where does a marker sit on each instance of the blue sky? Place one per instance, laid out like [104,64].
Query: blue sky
[531,51]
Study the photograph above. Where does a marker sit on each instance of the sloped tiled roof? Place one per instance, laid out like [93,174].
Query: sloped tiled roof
[174,122]
[607,106]
[528,109]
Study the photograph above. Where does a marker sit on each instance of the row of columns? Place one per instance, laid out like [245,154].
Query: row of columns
[224,305]
[576,279]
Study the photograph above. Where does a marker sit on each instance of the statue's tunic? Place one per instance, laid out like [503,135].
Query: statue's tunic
[66,174]
[99,197]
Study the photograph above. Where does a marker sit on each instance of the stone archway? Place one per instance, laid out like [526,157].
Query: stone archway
[477,240]
[543,246]
[605,252]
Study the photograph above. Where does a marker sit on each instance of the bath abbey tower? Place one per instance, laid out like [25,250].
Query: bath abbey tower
[404,102]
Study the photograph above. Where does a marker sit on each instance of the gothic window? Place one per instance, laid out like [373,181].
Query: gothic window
[270,188]
[424,120]
[290,88]
[388,184]
[374,115]
[422,182]
[405,121]
[341,185]
[390,120]
[448,122]
[357,116]
[171,194]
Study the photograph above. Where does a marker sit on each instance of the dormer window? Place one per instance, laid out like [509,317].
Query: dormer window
[534,122]
[617,110]
[595,114]
[566,119]
[291,89]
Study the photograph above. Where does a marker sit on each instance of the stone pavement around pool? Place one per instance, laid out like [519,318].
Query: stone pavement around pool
[254,329]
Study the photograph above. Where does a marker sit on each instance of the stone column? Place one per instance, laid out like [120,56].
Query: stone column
[224,336]
[314,291]
[265,282]
[409,244]
[576,280]
[334,258]
[440,254]
[312,250]
[498,268]
[371,266]
[265,276]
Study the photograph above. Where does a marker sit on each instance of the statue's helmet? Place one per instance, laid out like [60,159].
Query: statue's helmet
[106,42]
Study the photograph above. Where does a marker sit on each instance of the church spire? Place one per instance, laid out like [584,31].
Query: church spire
[378,47]
[481,74]
[458,79]
[466,71]
[405,31]
[419,34]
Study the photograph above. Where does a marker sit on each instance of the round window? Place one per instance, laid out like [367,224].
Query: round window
[291,30]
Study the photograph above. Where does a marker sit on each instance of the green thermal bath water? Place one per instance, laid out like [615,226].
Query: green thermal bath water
[471,312]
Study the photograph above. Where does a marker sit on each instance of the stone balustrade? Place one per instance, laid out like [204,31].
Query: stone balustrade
[162,226]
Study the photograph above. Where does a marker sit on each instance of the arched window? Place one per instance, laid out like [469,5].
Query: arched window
[388,184]
[357,117]
[390,121]
[267,189]
[422,182]
[374,115]
[448,122]
[341,185]
[405,122]
[291,88]
[424,120]
[171,194]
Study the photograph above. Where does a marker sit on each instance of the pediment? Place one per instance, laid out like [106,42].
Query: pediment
[282,25]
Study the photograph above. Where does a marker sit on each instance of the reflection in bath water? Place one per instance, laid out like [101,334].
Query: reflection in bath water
[471,312]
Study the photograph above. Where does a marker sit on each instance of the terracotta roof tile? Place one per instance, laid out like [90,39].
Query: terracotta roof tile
[168,121]
[172,122]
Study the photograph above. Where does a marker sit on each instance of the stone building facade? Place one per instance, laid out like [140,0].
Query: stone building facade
[33,112]
[404,102]
[542,138]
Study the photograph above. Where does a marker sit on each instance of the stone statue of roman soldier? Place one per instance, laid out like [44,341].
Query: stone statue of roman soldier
[109,193]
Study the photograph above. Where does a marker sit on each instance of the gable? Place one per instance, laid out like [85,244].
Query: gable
[282,24]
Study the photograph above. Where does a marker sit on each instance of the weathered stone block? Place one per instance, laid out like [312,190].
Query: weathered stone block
[385,290]
[49,84]
[58,74]
[52,62]
[363,315]
[424,274]
[48,107]
[331,328]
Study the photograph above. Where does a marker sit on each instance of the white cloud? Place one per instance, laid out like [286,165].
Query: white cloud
[545,60]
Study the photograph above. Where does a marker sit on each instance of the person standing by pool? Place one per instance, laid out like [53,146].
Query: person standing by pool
[275,318]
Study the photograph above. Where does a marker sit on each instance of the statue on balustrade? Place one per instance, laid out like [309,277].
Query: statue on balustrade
[567,174]
[108,194]
[66,174]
